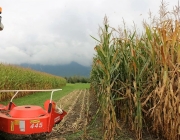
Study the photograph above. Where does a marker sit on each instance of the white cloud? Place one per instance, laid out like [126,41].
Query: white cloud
[58,32]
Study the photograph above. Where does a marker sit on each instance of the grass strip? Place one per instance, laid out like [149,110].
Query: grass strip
[40,97]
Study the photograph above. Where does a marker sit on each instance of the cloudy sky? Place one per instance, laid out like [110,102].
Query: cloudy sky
[58,31]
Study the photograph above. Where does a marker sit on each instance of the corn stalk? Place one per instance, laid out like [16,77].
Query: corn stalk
[104,66]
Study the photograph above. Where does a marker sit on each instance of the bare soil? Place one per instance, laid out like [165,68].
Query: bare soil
[83,120]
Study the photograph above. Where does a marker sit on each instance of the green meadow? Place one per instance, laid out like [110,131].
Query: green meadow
[40,97]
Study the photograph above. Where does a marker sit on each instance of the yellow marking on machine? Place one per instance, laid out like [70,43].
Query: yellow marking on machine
[16,122]
[12,125]
[34,121]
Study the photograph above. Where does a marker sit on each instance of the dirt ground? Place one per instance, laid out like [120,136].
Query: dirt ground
[79,122]
[83,122]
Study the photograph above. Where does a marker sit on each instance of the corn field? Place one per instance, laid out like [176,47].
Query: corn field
[15,77]
[136,77]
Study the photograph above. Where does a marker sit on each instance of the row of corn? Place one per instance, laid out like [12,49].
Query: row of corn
[136,77]
[16,77]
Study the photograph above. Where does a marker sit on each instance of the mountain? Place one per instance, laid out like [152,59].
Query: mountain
[72,69]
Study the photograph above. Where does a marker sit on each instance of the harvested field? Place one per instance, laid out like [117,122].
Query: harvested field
[84,122]
[79,113]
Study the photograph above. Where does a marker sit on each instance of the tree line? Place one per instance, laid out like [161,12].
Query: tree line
[77,79]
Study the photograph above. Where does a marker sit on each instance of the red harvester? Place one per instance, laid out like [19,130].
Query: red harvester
[19,122]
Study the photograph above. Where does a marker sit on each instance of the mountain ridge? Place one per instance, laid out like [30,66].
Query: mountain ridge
[66,70]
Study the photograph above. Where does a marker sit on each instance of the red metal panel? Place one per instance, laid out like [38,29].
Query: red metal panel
[27,111]
[27,126]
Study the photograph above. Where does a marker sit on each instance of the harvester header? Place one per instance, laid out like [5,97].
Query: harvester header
[1,25]
[18,122]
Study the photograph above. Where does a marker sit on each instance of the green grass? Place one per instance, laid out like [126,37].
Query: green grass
[41,97]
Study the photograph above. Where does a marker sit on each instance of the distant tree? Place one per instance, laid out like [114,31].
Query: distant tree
[77,79]
[66,78]
[83,80]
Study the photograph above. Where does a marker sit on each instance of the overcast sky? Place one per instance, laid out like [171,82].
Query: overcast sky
[58,31]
